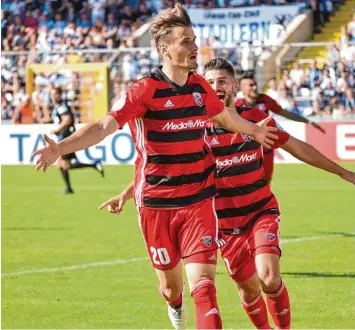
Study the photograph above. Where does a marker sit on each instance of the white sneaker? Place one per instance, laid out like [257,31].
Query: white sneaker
[178,316]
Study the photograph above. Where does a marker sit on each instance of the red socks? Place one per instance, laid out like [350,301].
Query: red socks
[279,307]
[256,310]
[206,308]
[173,303]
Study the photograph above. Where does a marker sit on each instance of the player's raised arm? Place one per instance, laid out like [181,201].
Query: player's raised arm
[87,136]
[301,119]
[115,204]
[310,155]
[230,120]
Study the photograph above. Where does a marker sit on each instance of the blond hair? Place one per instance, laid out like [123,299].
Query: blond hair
[162,26]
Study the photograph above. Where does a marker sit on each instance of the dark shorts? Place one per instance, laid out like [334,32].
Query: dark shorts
[69,156]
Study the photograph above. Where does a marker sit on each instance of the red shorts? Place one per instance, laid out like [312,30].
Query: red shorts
[268,164]
[188,233]
[240,250]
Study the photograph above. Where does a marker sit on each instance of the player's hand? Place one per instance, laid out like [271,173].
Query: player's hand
[318,127]
[348,176]
[115,204]
[264,134]
[54,132]
[47,155]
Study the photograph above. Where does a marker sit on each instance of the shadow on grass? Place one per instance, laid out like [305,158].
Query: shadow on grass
[314,274]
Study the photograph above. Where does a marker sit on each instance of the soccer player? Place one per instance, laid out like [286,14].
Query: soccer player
[263,102]
[174,185]
[247,210]
[63,116]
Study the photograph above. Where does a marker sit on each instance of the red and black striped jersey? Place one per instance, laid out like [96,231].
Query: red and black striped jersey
[243,190]
[264,103]
[167,123]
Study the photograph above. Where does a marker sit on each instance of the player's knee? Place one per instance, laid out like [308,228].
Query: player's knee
[172,290]
[65,165]
[269,279]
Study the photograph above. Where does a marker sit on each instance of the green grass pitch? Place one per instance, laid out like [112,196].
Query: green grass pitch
[67,265]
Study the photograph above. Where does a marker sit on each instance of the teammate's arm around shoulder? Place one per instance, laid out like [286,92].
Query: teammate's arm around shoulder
[115,204]
[310,155]
[231,121]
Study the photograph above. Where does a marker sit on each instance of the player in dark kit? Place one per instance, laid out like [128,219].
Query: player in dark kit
[174,185]
[63,116]
[263,102]
[248,212]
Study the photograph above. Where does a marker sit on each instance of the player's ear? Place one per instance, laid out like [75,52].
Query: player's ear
[164,50]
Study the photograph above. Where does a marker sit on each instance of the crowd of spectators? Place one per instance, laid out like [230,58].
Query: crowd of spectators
[323,89]
[40,27]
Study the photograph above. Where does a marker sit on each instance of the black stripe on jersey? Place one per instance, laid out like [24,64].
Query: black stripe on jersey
[176,159]
[239,169]
[180,201]
[160,180]
[217,131]
[176,113]
[169,92]
[235,148]
[242,190]
[244,210]
[191,135]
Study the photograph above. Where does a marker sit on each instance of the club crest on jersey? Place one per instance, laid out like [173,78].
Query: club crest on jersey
[270,236]
[207,240]
[262,106]
[279,127]
[246,137]
[197,98]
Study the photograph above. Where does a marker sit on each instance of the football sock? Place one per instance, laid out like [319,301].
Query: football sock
[76,165]
[173,303]
[206,308]
[279,307]
[257,312]
[65,175]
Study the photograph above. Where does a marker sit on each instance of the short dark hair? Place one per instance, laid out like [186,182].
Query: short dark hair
[162,26]
[245,75]
[219,63]
[58,90]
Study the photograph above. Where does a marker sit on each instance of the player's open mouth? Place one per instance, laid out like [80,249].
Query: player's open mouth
[221,96]
[193,57]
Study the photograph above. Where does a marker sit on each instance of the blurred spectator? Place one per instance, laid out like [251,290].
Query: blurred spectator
[314,74]
[297,74]
[351,28]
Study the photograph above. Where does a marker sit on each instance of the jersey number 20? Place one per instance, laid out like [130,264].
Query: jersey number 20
[161,254]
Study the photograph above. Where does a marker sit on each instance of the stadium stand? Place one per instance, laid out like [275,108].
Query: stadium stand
[62,31]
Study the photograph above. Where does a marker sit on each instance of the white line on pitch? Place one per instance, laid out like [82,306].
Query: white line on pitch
[126,261]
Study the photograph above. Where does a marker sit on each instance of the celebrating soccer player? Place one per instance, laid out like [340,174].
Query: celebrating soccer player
[251,98]
[174,185]
[248,212]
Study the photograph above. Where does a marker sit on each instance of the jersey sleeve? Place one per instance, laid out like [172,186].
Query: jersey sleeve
[271,104]
[63,110]
[214,105]
[282,135]
[131,104]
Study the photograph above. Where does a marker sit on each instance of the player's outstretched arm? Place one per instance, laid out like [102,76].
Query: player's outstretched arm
[115,204]
[231,121]
[300,119]
[87,136]
[310,155]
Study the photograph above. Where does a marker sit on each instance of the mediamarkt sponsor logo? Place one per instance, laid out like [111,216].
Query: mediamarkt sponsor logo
[236,160]
[198,123]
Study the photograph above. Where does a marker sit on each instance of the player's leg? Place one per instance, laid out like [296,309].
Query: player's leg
[199,243]
[64,165]
[268,164]
[96,165]
[159,229]
[240,266]
[266,251]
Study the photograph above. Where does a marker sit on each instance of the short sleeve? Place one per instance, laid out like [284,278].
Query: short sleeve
[214,106]
[62,110]
[131,104]
[283,136]
[271,104]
